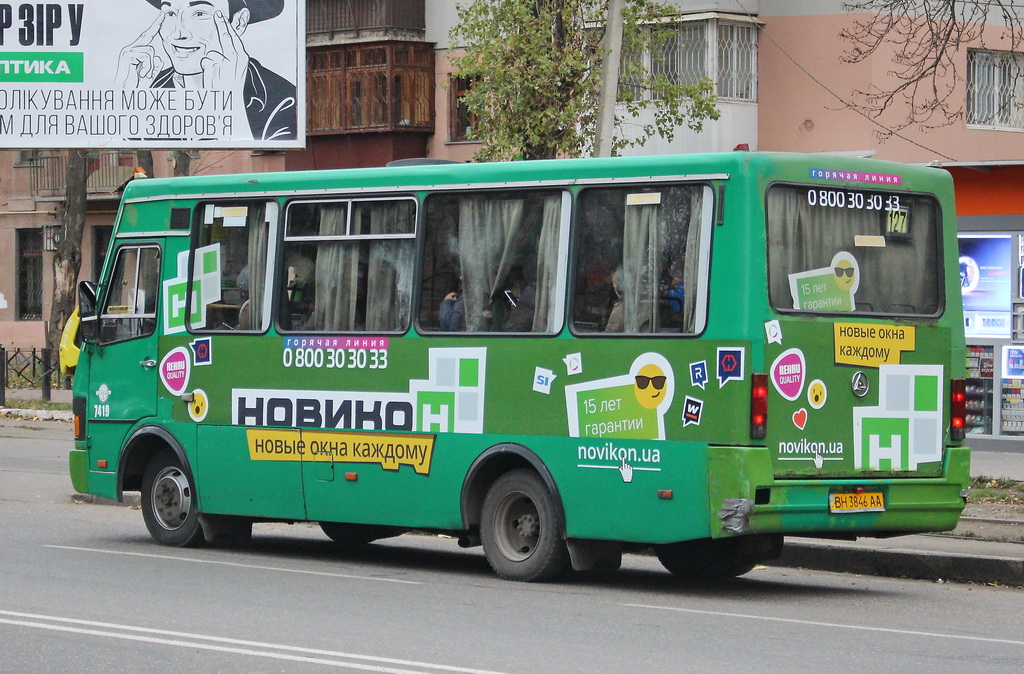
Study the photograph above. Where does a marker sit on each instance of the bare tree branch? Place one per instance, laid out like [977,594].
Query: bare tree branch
[926,38]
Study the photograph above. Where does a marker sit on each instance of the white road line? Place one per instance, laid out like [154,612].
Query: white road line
[226,645]
[257,567]
[866,628]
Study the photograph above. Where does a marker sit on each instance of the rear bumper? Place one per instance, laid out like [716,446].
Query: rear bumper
[746,498]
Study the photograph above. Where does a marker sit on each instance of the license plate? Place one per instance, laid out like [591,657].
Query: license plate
[864,502]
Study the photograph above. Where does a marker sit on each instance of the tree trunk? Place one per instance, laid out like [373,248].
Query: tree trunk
[145,159]
[67,260]
[182,162]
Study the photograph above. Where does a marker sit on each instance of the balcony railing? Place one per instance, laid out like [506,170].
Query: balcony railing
[108,170]
[360,17]
[374,87]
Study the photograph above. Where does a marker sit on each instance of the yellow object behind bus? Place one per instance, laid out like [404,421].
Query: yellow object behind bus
[69,349]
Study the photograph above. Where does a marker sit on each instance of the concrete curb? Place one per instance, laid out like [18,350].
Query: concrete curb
[38,415]
[916,564]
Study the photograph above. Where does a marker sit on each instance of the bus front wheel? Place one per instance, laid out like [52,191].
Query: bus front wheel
[519,529]
[169,504]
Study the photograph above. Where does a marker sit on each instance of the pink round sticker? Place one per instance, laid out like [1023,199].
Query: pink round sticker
[788,373]
[175,369]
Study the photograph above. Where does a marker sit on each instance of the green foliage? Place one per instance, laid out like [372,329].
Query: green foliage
[535,66]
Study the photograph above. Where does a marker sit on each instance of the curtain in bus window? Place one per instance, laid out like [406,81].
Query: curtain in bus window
[337,275]
[391,264]
[490,239]
[251,314]
[547,265]
[898,275]
[691,260]
[640,256]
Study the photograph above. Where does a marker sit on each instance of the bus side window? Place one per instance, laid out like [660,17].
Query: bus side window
[130,307]
[491,262]
[348,265]
[230,271]
[638,259]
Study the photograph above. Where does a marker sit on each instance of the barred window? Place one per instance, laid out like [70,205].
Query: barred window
[995,89]
[30,274]
[725,52]
[737,61]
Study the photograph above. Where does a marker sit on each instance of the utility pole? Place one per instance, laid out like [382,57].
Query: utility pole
[609,79]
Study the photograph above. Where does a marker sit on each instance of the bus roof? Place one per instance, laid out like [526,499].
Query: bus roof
[702,165]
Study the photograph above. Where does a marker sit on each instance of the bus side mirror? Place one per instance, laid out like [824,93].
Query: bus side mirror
[87,311]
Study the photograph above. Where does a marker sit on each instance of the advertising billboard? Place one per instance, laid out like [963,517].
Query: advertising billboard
[986,273]
[153,74]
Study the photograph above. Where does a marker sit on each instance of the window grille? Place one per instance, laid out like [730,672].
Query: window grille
[995,89]
[737,62]
[30,274]
[725,52]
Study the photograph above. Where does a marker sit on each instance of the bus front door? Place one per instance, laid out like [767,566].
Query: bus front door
[123,370]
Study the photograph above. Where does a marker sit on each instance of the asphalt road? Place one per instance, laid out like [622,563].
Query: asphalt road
[83,588]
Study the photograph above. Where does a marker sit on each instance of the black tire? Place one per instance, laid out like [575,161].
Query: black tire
[169,504]
[520,528]
[718,559]
[358,534]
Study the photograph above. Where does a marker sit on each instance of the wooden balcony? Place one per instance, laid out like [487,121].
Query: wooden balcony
[371,87]
[330,21]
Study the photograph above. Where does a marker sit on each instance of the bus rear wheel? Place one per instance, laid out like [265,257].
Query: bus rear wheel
[169,505]
[718,559]
[520,528]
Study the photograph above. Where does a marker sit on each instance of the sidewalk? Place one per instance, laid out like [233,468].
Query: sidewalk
[12,410]
[938,558]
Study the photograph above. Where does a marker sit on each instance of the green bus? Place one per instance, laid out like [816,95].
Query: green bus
[558,360]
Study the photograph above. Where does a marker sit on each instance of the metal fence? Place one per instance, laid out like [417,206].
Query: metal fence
[29,368]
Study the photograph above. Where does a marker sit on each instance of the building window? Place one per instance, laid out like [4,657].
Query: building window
[371,87]
[995,89]
[30,274]
[724,51]
[28,158]
[462,120]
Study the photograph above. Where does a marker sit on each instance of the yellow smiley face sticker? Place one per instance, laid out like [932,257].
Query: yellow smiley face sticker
[844,274]
[649,386]
[199,406]
[817,394]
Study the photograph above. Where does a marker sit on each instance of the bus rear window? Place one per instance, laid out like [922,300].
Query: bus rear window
[834,250]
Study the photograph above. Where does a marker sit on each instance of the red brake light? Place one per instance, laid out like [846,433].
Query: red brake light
[957,409]
[759,406]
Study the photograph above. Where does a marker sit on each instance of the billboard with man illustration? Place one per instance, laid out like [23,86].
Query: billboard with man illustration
[153,73]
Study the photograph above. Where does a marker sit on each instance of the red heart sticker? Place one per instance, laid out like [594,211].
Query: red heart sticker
[800,418]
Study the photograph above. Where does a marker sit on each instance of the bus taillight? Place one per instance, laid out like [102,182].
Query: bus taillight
[957,409]
[759,406]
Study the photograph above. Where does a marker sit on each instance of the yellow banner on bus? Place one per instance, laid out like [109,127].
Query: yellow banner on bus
[872,345]
[390,450]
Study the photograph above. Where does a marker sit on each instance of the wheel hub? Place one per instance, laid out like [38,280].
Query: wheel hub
[172,498]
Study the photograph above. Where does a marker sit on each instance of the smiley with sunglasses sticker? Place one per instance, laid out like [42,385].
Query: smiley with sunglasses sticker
[649,386]
[828,289]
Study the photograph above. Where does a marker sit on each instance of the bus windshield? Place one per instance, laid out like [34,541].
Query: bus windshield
[853,251]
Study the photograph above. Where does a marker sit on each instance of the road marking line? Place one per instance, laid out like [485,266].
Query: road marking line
[866,628]
[239,646]
[244,566]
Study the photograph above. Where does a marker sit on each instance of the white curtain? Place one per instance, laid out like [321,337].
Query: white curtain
[490,236]
[547,264]
[390,274]
[259,239]
[337,275]
[641,256]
